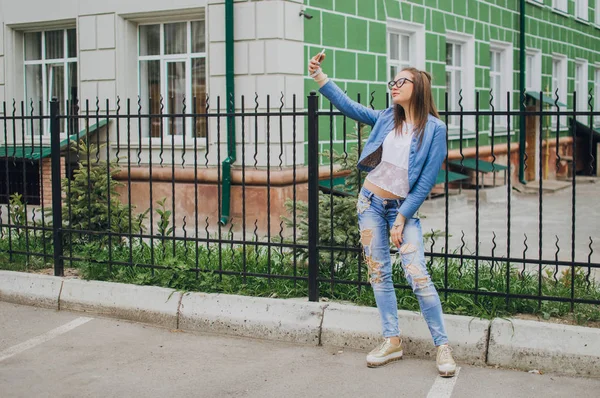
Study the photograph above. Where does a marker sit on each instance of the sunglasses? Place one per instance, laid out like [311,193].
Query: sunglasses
[398,83]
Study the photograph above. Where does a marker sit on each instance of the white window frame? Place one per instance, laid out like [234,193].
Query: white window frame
[505,51]
[597,95]
[597,12]
[164,59]
[559,78]
[581,10]
[416,37]
[561,5]
[44,63]
[581,86]
[532,83]
[467,43]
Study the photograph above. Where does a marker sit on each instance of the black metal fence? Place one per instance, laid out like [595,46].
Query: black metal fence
[146,198]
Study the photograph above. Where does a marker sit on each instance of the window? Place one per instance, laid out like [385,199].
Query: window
[454,78]
[50,59]
[172,73]
[561,5]
[400,52]
[582,9]
[23,179]
[581,78]
[559,84]
[533,70]
[597,97]
[598,12]
[403,41]
[501,80]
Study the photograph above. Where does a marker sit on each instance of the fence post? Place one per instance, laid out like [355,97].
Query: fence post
[56,188]
[313,197]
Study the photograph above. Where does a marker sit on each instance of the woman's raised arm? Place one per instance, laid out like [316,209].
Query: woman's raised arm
[338,98]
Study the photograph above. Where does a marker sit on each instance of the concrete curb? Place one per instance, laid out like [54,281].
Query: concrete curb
[265,318]
[148,304]
[30,289]
[552,347]
[360,328]
[515,344]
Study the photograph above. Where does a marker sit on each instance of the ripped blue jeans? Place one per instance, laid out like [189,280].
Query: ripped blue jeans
[376,217]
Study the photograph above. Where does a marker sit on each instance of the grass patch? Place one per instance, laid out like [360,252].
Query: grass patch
[221,271]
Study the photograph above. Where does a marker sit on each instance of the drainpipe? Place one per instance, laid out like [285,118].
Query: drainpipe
[522,96]
[229,71]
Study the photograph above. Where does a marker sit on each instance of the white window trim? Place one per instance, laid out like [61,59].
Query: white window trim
[582,85]
[598,13]
[597,94]
[187,57]
[561,6]
[562,86]
[65,61]
[417,36]
[539,3]
[468,78]
[582,10]
[537,69]
[507,83]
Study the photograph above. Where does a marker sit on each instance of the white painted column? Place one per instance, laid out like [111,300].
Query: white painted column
[97,60]
[269,61]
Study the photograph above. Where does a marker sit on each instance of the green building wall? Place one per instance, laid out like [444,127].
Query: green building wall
[354,33]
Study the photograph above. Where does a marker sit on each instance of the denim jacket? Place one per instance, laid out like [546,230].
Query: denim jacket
[424,161]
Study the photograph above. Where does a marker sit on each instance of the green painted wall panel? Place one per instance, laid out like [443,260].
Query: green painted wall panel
[312,30]
[334,28]
[380,92]
[367,67]
[392,8]
[431,48]
[381,15]
[484,12]
[326,4]
[418,14]
[367,9]
[357,34]
[353,89]
[450,21]
[346,7]
[459,7]
[472,9]
[382,70]
[377,38]
[438,21]
[345,65]
[406,11]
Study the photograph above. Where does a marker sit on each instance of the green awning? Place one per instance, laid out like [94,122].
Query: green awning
[35,151]
[452,176]
[545,99]
[473,164]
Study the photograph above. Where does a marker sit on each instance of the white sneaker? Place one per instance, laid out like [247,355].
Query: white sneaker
[445,363]
[385,353]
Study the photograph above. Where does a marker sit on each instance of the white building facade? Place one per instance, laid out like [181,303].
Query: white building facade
[164,54]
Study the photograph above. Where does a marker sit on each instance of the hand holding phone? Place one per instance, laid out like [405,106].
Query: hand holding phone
[321,56]
[315,63]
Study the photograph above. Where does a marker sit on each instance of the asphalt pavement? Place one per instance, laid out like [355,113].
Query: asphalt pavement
[46,353]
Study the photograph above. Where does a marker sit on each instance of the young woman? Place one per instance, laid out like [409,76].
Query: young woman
[402,156]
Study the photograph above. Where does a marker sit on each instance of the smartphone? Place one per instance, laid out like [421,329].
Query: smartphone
[320,56]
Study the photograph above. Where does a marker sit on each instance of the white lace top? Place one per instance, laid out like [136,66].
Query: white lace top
[391,174]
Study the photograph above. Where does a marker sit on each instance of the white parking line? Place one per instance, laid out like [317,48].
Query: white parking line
[42,338]
[443,386]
